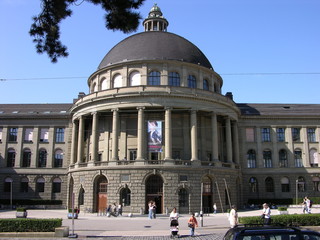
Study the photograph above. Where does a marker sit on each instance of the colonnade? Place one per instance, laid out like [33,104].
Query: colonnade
[231,137]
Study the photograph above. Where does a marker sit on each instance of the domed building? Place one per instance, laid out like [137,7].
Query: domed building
[155,126]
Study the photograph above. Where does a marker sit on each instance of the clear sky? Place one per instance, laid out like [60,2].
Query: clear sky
[267,51]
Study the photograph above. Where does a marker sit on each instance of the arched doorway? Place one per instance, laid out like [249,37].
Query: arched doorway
[207,195]
[101,189]
[154,192]
[71,184]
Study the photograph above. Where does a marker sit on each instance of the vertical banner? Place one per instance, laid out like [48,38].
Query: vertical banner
[154,136]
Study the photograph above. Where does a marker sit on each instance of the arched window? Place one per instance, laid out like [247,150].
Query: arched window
[40,184]
[192,82]
[95,87]
[283,161]
[269,184]
[135,78]
[298,158]
[125,196]
[253,185]
[24,184]
[205,84]
[81,196]
[267,159]
[8,181]
[174,79]
[285,184]
[11,157]
[58,159]
[104,84]
[316,185]
[26,158]
[42,161]
[154,78]
[301,184]
[313,156]
[56,185]
[117,81]
[251,159]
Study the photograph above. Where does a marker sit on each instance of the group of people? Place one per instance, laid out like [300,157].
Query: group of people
[114,210]
[192,221]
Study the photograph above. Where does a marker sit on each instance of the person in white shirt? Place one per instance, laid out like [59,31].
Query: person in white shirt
[174,214]
[266,212]
[233,216]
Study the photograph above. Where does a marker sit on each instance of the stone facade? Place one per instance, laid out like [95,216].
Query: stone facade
[155,127]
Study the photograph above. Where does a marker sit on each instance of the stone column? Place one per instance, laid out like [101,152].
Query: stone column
[194,136]
[168,134]
[235,135]
[94,136]
[140,146]
[80,140]
[74,142]
[215,143]
[115,129]
[228,140]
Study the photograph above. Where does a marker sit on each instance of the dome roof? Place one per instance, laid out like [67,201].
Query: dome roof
[155,45]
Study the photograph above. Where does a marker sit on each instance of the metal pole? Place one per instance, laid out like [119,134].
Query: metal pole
[201,210]
[11,193]
[219,197]
[297,192]
[227,192]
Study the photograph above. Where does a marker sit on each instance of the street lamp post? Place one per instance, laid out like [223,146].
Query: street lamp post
[297,182]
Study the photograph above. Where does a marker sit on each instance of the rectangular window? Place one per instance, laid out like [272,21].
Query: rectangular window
[44,135]
[267,159]
[133,154]
[56,187]
[28,134]
[311,134]
[250,134]
[13,134]
[59,135]
[281,135]
[183,178]
[296,135]
[265,134]
[298,158]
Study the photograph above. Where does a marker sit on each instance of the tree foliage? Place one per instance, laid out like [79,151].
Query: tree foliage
[45,29]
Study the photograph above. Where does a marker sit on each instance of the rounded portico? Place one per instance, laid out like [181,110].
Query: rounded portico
[154,126]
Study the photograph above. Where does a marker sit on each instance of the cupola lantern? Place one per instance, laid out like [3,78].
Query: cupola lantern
[155,21]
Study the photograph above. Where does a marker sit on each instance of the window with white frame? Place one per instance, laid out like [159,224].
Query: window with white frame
[117,81]
[59,135]
[28,134]
[313,156]
[251,159]
[267,159]
[296,134]
[13,134]
[281,135]
[265,135]
[298,158]
[311,132]
[174,79]
[44,135]
[135,78]
[58,159]
[283,160]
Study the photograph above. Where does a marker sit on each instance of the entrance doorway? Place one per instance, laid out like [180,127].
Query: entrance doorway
[101,194]
[154,192]
[207,195]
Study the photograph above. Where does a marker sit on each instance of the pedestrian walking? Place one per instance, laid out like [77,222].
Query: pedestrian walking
[266,214]
[154,210]
[192,224]
[150,209]
[214,208]
[233,216]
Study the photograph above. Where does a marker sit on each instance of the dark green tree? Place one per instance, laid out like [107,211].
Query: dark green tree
[45,29]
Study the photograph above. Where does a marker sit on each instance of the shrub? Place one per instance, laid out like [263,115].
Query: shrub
[282,209]
[29,225]
[287,220]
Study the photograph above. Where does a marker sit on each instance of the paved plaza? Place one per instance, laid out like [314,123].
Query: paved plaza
[95,226]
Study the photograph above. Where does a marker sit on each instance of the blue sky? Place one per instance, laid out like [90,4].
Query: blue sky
[266,51]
